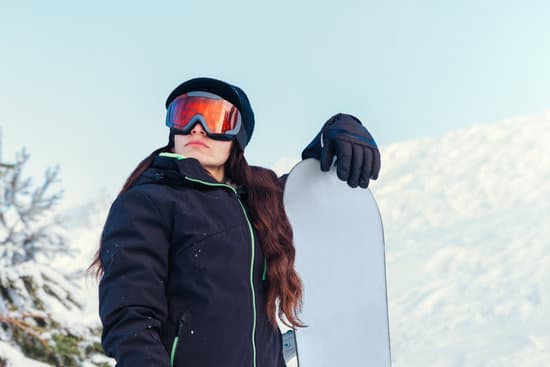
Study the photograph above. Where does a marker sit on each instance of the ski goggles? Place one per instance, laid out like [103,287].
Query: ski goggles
[219,118]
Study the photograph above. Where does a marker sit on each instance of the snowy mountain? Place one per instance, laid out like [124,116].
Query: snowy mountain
[468,246]
[467,243]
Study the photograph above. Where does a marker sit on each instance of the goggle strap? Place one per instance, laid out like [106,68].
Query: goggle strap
[242,138]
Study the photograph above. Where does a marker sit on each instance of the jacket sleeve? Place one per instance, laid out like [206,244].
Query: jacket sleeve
[282,180]
[132,303]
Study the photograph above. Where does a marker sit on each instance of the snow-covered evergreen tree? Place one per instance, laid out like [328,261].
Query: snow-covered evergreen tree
[32,294]
[25,226]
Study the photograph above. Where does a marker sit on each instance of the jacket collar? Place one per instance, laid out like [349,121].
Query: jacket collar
[185,166]
[172,169]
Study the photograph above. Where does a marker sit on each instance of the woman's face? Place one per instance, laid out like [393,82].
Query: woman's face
[212,154]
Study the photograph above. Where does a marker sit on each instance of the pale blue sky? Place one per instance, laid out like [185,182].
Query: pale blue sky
[84,85]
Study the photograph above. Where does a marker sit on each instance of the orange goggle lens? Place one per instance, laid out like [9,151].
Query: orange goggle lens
[217,116]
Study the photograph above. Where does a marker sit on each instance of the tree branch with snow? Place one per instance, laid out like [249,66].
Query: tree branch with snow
[27,226]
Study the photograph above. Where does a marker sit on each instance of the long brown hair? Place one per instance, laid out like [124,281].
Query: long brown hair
[265,206]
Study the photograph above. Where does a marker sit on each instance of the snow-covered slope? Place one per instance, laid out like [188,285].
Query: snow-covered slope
[467,239]
[468,246]
[85,223]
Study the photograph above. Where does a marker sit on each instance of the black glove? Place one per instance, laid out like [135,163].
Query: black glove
[357,156]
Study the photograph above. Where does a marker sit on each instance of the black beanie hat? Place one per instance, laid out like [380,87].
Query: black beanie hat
[227,91]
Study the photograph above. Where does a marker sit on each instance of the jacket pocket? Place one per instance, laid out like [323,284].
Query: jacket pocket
[176,342]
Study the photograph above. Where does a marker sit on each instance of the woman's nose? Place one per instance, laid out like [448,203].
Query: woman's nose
[198,129]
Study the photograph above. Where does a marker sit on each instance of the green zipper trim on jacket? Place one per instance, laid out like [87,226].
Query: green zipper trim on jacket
[173,353]
[172,155]
[251,257]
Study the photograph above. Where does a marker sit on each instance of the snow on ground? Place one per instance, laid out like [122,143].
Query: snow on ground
[467,240]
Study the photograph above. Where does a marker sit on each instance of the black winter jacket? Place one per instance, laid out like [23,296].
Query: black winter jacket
[184,281]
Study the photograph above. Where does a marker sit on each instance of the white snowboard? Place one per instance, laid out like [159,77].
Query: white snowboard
[339,242]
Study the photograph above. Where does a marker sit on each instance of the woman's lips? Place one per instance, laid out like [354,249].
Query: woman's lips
[197,143]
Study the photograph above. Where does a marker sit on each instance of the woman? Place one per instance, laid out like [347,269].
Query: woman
[196,256]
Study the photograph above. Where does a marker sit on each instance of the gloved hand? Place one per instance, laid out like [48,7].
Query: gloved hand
[357,156]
